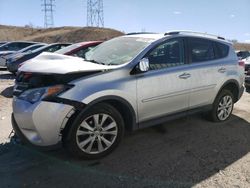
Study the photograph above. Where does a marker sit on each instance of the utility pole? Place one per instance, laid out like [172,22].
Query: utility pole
[95,15]
[48,9]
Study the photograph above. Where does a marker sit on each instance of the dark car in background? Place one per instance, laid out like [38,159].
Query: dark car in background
[12,54]
[79,49]
[2,42]
[9,47]
[243,54]
[13,63]
[247,80]
[15,46]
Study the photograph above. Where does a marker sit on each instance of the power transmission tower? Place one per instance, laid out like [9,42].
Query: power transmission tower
[95,16]
[48,9]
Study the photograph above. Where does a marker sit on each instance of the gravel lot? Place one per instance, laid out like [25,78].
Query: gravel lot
[189,152]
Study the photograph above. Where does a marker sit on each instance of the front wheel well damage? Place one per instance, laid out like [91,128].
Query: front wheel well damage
[125,111]
[123,107]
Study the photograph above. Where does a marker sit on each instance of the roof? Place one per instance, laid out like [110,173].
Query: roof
[178,33]
[148,36]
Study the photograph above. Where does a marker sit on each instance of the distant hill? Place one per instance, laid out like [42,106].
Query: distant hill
[242,46]
[68,34]
[58,34]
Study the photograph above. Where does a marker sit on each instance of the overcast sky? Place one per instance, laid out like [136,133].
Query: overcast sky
[228,18]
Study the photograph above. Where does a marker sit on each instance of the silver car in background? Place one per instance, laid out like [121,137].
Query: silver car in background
[126,83]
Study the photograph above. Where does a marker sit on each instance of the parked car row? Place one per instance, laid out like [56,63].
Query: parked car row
[124,84]
[11,47]
[244,56]
[15,54]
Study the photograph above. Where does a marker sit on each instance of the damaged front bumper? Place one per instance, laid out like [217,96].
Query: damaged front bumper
[40,123]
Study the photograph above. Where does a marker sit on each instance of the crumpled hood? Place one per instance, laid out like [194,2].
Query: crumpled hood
[61,64]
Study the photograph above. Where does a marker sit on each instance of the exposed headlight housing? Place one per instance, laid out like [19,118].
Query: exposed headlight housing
[34,95]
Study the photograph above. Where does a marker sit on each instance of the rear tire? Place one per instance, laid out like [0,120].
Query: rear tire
[95,132]
[222,106]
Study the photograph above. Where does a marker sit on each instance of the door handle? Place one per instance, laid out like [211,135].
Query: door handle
[222,70]
[184,75]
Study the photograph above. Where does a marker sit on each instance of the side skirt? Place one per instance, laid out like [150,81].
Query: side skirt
[169,117]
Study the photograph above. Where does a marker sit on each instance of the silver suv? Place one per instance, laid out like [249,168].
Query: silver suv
[126,83]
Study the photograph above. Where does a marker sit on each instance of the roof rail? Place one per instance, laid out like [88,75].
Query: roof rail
[194,32]
[138,33]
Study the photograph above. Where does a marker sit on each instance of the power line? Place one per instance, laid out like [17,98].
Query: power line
[95,15]
[48,9]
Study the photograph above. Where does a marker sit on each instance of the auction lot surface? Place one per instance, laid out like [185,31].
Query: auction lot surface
[189,152]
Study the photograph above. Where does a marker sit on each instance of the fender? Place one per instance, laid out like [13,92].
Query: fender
[229,82]
[121,100]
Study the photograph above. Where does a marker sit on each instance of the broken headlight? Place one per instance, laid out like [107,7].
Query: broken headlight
[34,95]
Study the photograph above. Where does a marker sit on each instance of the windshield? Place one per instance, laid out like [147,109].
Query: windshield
[30,48]
[40,49]
[117,51]
[8,46]
[68,48]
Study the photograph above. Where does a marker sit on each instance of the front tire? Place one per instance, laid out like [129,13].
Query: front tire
[222,106]
[95,132]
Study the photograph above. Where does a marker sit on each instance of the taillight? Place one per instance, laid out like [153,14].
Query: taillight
[241,63]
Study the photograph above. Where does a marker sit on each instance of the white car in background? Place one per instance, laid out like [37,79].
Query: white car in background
[247,71]
[247,63]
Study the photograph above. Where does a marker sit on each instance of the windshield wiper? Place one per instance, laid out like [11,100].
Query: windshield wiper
[94,61]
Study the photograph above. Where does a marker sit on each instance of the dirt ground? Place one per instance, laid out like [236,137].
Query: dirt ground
[189,152]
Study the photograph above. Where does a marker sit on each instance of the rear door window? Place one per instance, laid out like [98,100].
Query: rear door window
[201,50]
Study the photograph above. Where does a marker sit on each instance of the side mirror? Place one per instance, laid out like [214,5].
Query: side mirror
[144,65]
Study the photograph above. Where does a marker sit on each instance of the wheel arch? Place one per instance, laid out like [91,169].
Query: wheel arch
[123,106]
[233,86]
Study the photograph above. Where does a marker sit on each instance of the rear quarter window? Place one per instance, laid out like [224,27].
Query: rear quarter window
[221,50]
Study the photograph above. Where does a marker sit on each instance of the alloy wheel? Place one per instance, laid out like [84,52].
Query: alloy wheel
[225,107]
[96,133]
